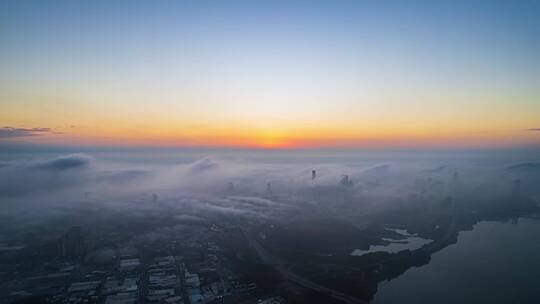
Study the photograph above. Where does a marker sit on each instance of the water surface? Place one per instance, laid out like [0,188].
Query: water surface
[496,262]
[411,242]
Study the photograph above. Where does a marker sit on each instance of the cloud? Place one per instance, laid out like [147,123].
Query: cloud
[204,164]
[25,177]
[76,173]
[123,176]
[236,186]
[66,162]
[10,132]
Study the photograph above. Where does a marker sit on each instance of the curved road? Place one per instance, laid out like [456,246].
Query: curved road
[270,260]
[273,261]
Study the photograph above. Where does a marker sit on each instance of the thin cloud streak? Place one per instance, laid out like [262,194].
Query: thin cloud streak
[10,132]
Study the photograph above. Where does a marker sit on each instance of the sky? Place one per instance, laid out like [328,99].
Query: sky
[270,74]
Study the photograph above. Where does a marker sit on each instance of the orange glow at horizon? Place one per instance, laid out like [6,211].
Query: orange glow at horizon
[284,138]
[226,75]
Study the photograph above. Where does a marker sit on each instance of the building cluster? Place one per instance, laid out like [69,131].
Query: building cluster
[164,281]
[121,291]
[205,274]
[189,268]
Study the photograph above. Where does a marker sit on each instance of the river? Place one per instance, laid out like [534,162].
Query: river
[496,262]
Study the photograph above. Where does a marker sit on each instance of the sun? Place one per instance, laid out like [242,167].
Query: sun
[272,140]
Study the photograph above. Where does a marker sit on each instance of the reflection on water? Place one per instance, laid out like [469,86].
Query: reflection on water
[412,242]
[494,263]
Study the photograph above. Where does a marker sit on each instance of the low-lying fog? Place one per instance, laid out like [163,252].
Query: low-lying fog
[253,184]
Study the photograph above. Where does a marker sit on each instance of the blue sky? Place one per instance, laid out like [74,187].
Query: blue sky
[276,67]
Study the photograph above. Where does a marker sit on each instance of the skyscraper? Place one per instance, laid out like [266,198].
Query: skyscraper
[70,244]
[345,181]
[268,188]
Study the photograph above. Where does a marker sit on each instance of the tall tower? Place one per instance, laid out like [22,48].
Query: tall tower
[230,187]
[345,181]
[313,174]
[70,244]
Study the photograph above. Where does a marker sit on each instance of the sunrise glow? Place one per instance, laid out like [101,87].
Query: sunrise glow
[268,76]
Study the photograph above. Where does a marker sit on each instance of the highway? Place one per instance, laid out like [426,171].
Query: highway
[271,260]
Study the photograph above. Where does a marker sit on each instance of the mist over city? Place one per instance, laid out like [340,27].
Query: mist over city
[334,224]
[269,152]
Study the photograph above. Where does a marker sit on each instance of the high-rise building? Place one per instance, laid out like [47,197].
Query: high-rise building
[230,187]
[345,181]
[313,174]
[70,244]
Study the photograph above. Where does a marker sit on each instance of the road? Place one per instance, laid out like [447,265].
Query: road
[271,260]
